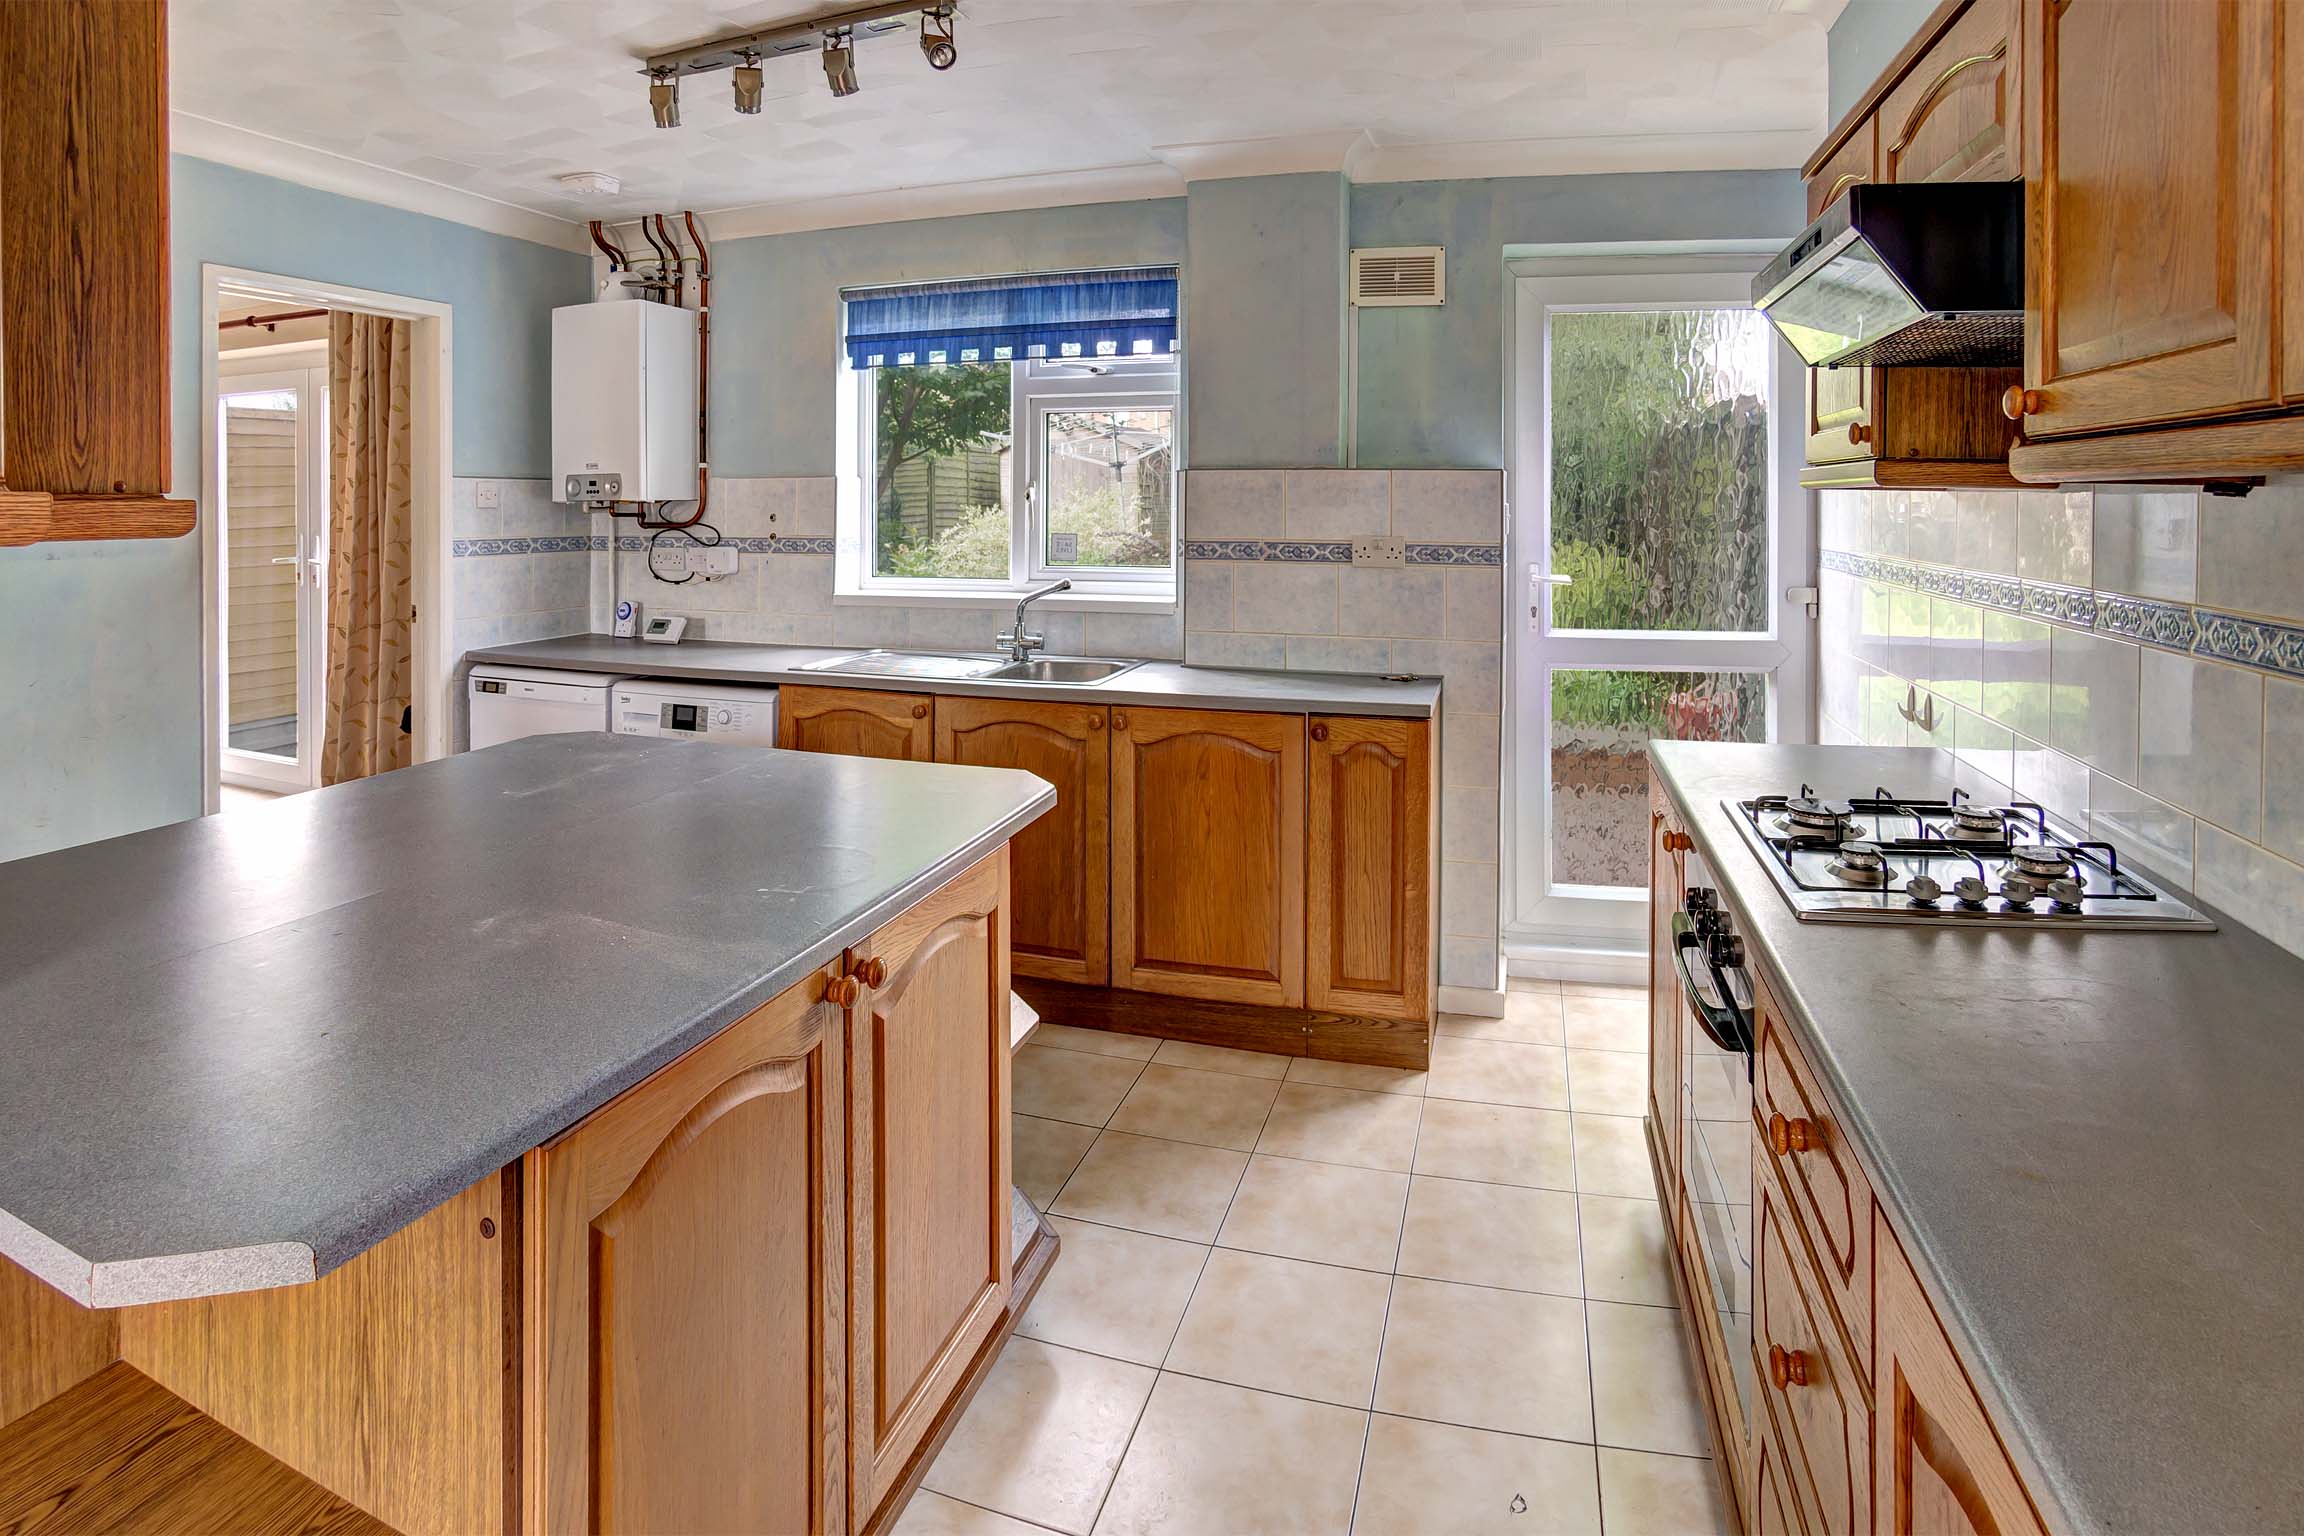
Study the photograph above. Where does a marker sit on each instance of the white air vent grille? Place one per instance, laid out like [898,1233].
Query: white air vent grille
[1395,275]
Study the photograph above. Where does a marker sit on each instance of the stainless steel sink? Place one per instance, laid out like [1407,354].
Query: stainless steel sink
[1060,669]
[952,666]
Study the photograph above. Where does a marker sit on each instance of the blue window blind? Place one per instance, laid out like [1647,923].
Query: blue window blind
[1129,312]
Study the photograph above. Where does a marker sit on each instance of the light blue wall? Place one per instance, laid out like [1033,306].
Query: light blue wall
[1860,44]
[1264,332]
[1432,380]
[100,642]
[776,308]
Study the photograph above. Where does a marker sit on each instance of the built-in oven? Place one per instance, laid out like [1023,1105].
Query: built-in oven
[1716,1118]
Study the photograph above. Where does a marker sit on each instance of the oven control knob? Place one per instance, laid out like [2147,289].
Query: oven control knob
[1725,951]
[2018,891]
[2065,893]
[1709,921]
[1700,898]
[1923,889]
[1970,891]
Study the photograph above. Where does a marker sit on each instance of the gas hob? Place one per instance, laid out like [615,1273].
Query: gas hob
[1884,858]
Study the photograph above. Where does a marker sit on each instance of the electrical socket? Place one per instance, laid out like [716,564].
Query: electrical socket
[488,495]
[713,560]
[1376,549]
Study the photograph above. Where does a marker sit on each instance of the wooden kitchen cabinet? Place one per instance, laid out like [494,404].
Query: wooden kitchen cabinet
[927,1171]
[1665,887]
[1921,428]
[2152,170]
[856,722]
[686,1299]
[1956,114]
[1800,1142]
[1208,821]
[84,313]
[1368,878]
[1060,896]
[1775,1512]
[1938,1464]
[1803,1377]
[1850,163]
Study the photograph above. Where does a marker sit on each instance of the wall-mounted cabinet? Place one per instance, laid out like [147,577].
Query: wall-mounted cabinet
[84,241]
[1947,109]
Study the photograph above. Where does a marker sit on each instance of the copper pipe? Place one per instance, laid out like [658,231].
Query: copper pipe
[272,321]
[703,377]
[615,256]
[679,262]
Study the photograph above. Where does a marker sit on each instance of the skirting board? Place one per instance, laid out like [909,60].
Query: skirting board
[1613,967]
[1479,1001]
[1243,1026]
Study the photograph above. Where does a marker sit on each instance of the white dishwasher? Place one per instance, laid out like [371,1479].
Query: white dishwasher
[511,702]
[734,714]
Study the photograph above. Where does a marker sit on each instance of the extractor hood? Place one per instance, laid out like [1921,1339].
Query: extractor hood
[1924,275]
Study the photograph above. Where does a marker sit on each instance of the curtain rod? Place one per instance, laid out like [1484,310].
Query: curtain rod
[270,322]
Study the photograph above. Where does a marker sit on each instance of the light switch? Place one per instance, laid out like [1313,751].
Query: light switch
[488,495]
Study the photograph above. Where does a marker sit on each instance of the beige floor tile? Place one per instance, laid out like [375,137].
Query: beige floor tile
[1070,1085]
[1612,1156]
[1497,1143]
[1532,1018]
[1608,1082]
[1421,1478]
[1532,984]
[1343,1125]
[1044,1435]
[932,1514]
[1498,1072]
[1643,1393]
[1625,1258]
[1351,1074]
[1170,1188]
[1045,1153]
[1505,1360]
[1605,988]
[1221,1058]
[1325,1212]
[1647,1495]
[1606,1021]
[1282,1325]
[1216,1460]
[1113,1291]
[1096,1042]
[1492,1234]
[1214,1109]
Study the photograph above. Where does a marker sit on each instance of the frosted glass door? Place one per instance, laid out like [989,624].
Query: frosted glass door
[271,430]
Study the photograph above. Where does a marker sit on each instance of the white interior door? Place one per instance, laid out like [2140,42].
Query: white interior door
[1664,526]
[272,507]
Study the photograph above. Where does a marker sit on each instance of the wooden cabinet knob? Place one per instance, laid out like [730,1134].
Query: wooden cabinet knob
[1119,721]
[919,711]
[1095,722]
[842,991]
[1858,434]
[1319,733]
[2019,402]
[1678,842]
[873,973]
[1788,1368]
[1786,1137]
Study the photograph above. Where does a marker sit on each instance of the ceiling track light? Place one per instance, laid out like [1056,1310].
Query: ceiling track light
[833,38]
[664,98]
[745,79]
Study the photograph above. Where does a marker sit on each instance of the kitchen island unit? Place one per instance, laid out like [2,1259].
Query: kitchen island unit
[585,1133]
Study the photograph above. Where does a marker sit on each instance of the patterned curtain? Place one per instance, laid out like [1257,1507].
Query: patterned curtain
[371,612]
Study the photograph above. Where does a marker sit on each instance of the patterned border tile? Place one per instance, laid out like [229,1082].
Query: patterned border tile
[1335,552]
[1300,552]
[539,544]
[2140,618]
[2071,605]
[1455,554]
[2255,642]
[1224,549]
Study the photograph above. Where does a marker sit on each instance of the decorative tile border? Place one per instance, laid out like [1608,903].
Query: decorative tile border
[541,544]
[2264,644]
[635,543]
[1334,552]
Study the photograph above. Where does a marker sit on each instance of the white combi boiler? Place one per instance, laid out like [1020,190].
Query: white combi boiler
[730,713]
[624,402]
[511,702]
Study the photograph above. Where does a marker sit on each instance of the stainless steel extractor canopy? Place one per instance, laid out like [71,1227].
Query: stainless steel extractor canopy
[1929,274]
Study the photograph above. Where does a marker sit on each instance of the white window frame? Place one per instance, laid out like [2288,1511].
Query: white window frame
[1036,385]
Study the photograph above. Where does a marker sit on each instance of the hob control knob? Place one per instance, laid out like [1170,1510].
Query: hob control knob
[2065,893]
[1725,950]
[1708,923]
[1970,890]
[1923,889]
[1699,898]
[2018,891]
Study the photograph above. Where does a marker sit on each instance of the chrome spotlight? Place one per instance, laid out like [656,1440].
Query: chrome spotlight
[936,40]
[746,80]
[840,62]
[664,99]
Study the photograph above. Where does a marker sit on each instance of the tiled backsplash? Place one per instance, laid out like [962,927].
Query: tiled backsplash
[522,569]
[2130,657]
[1269,582]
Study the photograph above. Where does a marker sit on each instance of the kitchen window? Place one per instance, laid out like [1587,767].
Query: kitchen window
[1005,433]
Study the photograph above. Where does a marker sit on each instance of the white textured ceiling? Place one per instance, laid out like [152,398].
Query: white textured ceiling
[498,97]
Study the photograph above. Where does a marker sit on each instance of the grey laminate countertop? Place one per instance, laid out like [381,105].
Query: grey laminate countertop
[2092,1144]
[1151,684]
[242,1049]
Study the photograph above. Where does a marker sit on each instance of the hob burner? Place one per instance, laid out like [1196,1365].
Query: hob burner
[2041,861]
[1859,864]
[1806,813]
[1970,820]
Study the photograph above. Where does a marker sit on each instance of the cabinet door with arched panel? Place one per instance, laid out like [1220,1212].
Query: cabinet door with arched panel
[1368,880]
